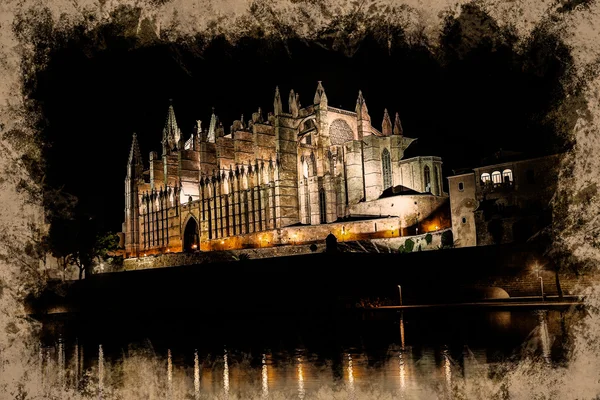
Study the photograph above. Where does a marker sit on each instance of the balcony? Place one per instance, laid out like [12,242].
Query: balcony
[493,187]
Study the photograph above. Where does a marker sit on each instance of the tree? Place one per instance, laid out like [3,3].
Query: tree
[74,237]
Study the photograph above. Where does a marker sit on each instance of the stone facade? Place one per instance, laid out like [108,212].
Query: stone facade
[308,166]
[502,202]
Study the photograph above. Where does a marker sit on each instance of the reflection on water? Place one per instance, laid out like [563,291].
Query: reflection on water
[544,336]
[100,372]
[301,391]
[351,393]
[439,361]
[225,375]
[196,376]
[265,377]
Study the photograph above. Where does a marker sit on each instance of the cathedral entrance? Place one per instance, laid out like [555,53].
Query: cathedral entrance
[190,236]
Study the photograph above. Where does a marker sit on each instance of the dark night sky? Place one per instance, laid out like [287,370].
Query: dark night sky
[462,103]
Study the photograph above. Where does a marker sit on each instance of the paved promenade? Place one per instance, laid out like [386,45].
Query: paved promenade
[549,302]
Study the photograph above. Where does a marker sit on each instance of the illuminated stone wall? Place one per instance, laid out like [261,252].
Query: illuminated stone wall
[312,165]
[461,189]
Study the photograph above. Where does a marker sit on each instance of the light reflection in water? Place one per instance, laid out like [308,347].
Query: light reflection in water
[301,391]
[402,374]
[447,365]
[76,363]
[169,375]
[265,377]
[225,375]
[100,371]
[61,362]
[544,337]
[351,391]
[196,376]
[402,329]
[48,368]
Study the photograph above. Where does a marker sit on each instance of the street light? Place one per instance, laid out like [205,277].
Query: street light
[537,270]
[400,293]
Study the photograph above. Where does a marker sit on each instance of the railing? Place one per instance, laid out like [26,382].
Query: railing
[489,186]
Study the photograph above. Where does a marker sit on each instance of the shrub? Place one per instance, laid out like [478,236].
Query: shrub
[428,238]
[409,245]
[447,239]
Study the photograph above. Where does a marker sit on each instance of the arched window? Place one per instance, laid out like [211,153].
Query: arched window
[427,180]
[507,176]
[322,206]
[496,177]
[436,180]
[305,169]
[386,166]
[485,178]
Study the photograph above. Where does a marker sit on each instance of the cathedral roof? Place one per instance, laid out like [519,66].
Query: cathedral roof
[399,190]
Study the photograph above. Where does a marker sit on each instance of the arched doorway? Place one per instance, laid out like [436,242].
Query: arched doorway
[190,236]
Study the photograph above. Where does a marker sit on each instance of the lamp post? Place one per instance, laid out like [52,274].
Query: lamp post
[400,293]
[537,270]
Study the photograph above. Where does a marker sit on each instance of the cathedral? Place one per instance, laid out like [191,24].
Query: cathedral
[309,168]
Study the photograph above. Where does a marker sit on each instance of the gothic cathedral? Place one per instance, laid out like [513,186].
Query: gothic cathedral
[306,167]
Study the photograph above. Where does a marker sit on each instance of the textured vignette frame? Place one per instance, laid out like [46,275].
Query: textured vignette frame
[181,19]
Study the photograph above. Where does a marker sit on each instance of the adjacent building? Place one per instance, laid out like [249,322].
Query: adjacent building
[505,200]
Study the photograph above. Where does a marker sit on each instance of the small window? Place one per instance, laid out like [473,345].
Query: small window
[496,177]
[507,176]
[464,220]
[485,177]
[461,186]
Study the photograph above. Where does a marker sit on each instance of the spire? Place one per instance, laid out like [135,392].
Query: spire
[134,154]
[386,125]
[361,108]
[210,138]
[171,132]
[278,108]
[397,126]
[320,95]
[135,157]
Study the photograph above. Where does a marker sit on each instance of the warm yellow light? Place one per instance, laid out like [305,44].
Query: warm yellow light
[437,227]
[222,242]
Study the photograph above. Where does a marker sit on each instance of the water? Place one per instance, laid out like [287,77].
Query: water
[413,355]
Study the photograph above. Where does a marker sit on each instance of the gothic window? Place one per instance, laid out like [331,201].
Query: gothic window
[496,177]
[340,132]
[427,180]
[386,166]
[507,175]
[305,169]
[322,206]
